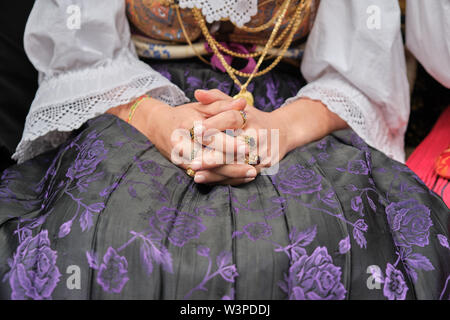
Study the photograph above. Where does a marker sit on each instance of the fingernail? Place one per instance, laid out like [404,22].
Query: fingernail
[199,178]
[251,173]
[248,180]
[195,165]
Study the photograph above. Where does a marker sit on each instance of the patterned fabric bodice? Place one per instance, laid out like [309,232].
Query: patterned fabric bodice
[159,22]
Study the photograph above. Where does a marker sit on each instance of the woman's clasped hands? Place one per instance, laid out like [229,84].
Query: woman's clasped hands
[215,140]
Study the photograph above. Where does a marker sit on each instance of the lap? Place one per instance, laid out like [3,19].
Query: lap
[138,226]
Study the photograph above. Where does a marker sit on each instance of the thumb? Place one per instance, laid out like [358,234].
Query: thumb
[222,106]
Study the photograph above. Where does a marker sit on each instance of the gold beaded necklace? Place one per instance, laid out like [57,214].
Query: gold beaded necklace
[216,47]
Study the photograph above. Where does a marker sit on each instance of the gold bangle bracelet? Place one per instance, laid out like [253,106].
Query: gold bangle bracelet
[135,105]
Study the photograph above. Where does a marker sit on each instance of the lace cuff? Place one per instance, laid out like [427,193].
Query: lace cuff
[64,102]
[357,110]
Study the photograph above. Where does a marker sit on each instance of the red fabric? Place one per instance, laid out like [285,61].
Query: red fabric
[424,159]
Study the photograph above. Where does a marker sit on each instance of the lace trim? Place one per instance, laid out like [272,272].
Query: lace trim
[49,124]
[238,11]
[357,110]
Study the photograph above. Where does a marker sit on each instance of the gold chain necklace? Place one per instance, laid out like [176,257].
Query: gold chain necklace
[295,18]
[216,47]
[258,53]
[243,93]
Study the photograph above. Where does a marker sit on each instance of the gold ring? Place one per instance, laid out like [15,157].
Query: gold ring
[250,141]
[192,133]
[190,172]
[244,118]
[252,159]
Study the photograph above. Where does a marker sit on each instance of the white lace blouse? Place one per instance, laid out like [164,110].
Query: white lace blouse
[355,68]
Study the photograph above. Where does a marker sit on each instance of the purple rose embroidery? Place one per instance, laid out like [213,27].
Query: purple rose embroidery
[194,82]
[344,245]
[34,273]
[395,287]
[358,142]
[226,270]
[357,204]
[224,258]
[323,156]
[297,180]
[322,144]
[5,180]
[315,278]
[443,241]
[228,273]
[361,225]
[5,192]
[165,73]
[257,230]
[108,190]
[150,167]
[113,272]
[357,167]
[410,222]
[90,155]
[65,228]
[181,226]
[203,251]
[330,199]
[186,227]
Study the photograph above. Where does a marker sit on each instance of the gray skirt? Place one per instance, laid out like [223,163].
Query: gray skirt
[106,216]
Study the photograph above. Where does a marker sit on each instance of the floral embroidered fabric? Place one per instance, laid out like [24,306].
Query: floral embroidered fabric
[339,220]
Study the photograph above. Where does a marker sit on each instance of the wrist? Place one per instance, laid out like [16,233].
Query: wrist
[146,115]
[121,111]
[306,120]
[143,116]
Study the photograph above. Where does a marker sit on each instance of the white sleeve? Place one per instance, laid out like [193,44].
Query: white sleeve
[358,70]
[428,36]
[84,69]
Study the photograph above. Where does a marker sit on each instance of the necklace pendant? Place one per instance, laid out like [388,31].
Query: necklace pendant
[247,96]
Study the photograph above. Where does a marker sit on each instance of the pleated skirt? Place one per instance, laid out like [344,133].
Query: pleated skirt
[106,216]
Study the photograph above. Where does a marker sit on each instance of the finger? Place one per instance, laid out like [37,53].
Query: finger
[226,172]
[183,151]
[235,182]
[231,119]
[222,106]
[232,147]
[216,139]
[210,96]
[208,159]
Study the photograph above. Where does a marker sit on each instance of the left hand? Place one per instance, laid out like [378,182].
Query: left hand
[298,123]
